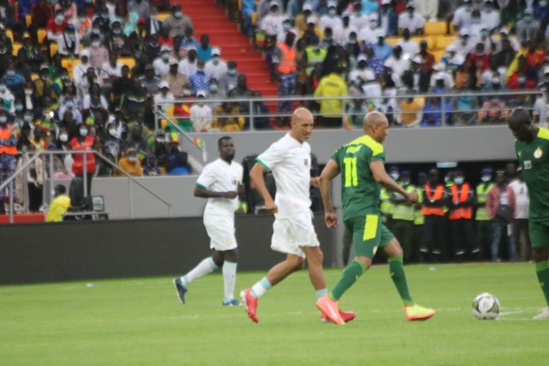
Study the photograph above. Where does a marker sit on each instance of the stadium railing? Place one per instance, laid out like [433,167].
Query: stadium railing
[522,98]
[49,180]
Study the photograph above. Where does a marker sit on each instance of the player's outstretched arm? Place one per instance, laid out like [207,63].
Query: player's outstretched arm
[330,171]
[258,181]
[380,175]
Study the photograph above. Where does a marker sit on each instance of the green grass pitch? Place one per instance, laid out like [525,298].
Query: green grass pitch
[141,322]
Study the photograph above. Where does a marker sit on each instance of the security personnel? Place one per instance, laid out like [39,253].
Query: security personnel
[284,61]
[403,215]
[8,153]
[433,210]
[419,220]
[483,223]
[315,55]
[386,206]
[461,216]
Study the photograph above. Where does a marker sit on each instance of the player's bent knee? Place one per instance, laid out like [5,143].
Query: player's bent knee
[365,260]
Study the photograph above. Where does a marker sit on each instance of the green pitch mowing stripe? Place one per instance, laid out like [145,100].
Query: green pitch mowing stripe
[141,322]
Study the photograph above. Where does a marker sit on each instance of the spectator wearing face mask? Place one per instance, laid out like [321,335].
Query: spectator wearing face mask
[141,7]
[164,99]
[175,80]
[98,54]
[215,92]
[117,41]
[150,169]
[69,10]
[200,80]
[177,22]
[527,28]
[465,44]
[201,114]
[229,80]
[272,22]
[84,142]
[490,16]
[68,42]
[411,20]
[81,68]
[408,46]
[461,218]
[162,63]
[343,31]
[462,15]
[95,29]
[14,81]
[331,19]
[358,19]
[216,67]
[56,26]
[6,97]
[69,105]
[130,164]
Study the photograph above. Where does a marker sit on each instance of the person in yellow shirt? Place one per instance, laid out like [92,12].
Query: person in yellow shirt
[411,113]
[331,110]
[59,205]
[130,164]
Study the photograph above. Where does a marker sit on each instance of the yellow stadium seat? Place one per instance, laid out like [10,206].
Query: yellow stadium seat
[239,4]
[254,17]
[16,47]
[69,64]
[41,35]
[392,40]
[53,48]
[28,20]
[438,55]
[434,28]
[9,33]
[129,61]
[444,41]
[162,16]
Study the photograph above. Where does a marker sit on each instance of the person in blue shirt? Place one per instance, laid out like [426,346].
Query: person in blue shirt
[382,49]
[14,81]
[248,8]
[320,7]
[205,50]
[188,40]
[370,6]
[388,18]
[432,112]
[199,81]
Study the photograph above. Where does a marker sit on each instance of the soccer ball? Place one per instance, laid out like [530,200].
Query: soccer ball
[485,306]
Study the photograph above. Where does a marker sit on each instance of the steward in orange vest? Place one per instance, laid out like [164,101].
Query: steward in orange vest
[435,199]
[462,229]
[8,153]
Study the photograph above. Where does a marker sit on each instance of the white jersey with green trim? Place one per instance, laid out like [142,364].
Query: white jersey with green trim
[290,162]
[220,176]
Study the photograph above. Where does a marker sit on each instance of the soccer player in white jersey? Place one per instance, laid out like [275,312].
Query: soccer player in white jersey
[294,235]
[220,183]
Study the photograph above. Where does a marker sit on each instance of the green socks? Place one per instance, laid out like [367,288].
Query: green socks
[352,272]
[542,270]
[396,269]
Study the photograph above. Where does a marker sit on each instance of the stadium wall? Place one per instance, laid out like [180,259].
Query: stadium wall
[37,253]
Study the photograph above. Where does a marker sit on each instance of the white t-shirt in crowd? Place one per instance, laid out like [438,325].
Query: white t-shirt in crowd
[409,48]
[521,197]
[290,162]
[220,176]
[413,24]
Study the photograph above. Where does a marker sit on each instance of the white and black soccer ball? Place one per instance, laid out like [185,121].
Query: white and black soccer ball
[485,306]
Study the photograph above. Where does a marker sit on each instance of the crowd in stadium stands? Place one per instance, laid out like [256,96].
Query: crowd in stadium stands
[375,50]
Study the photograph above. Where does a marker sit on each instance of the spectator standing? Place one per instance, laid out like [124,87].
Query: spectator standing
[433,210]
[8,153]
[483,221]
[331,110]
[520,225]
[411,113]
[428,9]
[461,218]
[284,62]
[84,142]
[388,18]
[402,223]
[462,15]
[527,28]
[490,16]
[501,207]
[177,22]
[331,20]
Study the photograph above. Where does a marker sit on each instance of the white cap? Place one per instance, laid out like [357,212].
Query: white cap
[165,48]
[545,70]
[373,17]
[504,30]
[201,93]
[451,48]
[361,57]
[439,76]
[385,2]
[380,33]
[345,14]
[332,4]
[164,84]
[188,48]
[417,59]
[307,6]
[410,4]
[85,52]
[216,51]
[439,66]
[273,3]
[311,20]
[464,32]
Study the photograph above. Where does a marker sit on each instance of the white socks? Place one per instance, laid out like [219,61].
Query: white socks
[229,278]
[261,287]
[205,267]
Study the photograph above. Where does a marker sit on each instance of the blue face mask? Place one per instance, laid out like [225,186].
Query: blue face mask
[458,180]
[213,88]
[231,72]
[27,118]
[69,105]
[18,107]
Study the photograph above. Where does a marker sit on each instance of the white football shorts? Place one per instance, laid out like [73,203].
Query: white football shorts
[290,234]
[221,231]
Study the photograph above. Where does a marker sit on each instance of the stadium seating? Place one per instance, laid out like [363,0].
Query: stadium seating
[444,41]
[9,34]
[41,35]
[162,16]
[53,48]
[434,28]
[16,48]
[128,61]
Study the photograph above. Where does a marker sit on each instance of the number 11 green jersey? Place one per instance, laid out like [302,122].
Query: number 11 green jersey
[360,191]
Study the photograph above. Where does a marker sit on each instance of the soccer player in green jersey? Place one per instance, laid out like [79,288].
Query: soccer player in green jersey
[532,147]
[361,164]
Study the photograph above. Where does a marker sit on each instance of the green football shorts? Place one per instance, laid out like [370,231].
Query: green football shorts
[539,234]
[369,234]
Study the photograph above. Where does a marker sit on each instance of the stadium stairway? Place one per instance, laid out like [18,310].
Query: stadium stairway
[208,18]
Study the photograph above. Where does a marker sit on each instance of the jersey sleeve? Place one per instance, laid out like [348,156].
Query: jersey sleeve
[337,154]
[206,178]
[271,157]
[378,153]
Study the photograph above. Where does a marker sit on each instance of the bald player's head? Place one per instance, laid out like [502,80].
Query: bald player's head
[376,125]
[302,124]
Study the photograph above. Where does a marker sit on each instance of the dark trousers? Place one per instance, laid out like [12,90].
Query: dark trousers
[463,237]
[434,231]
[503,231]
[347,244]
[484,238]
[404,232]
[35,197]
[522,239]
[89,177]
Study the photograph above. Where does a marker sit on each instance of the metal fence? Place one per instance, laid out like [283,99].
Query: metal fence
[48,179]
[388,102]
